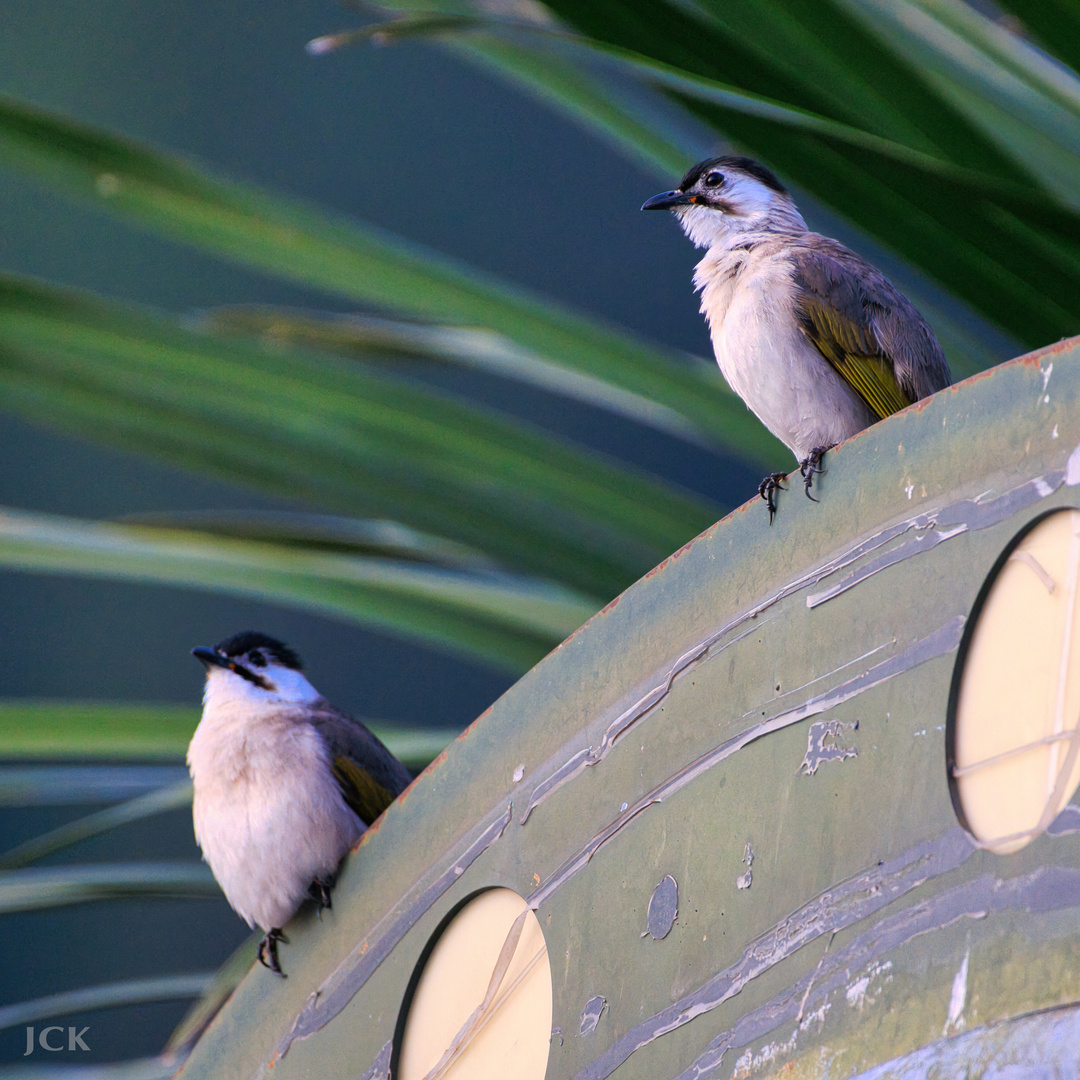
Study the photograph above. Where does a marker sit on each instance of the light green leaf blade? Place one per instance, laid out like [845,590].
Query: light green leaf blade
[339,435]
[137,809]
[392,342]
[499,618]
[302,244]
[323,532]
[106,996]
[1028,105]
[55,886]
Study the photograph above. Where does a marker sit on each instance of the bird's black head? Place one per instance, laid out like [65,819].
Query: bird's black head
[727,200]
[712,173]
[246,653]
[709,183]
[257,648]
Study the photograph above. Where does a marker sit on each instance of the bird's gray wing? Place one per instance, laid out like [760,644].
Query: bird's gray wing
[868,331]
[370,777]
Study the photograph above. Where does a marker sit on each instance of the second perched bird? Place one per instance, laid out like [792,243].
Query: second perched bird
[813,338]
[284,782]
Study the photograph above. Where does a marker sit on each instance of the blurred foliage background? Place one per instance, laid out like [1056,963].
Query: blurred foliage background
[369,348]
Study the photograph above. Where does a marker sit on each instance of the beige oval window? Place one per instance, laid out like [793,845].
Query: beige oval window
[482,1005]
[1014,753]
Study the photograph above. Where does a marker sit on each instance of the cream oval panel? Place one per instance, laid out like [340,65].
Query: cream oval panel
[1015,749]
[482,1005]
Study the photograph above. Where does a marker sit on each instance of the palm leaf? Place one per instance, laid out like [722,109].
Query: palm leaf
[337,435]
[501,618]
[396,344]
[106,996]
[302,244]
[53,886]
[896,136]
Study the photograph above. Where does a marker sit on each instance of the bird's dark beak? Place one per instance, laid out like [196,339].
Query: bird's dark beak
[668,199]
[209,657]
[212,658]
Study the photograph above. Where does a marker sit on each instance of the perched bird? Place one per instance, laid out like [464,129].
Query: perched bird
[284,782]
[813,338]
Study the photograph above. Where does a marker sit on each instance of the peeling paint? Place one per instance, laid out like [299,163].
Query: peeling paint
[1047,889]
[744,881]
[821,745]
[936,526]
[380,1069]
[627,718]
[663,908]
[939,643]
[958,998]
[590,1015]
[842,906]
[856,992]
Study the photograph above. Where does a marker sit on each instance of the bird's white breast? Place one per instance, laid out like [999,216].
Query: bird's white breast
[268,813]
[748,296]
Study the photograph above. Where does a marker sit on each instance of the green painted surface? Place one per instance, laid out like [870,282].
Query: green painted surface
[847,948]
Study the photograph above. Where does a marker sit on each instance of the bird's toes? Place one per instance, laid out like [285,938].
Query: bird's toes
[319,891]
[767,490]
[810,466]
[267,952]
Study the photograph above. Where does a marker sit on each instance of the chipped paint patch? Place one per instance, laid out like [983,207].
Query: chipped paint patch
[821,745]
[744,881]
[590,1015]
[380,1068]
[858,994]
[1072,469]
[954,1022]
[663,908]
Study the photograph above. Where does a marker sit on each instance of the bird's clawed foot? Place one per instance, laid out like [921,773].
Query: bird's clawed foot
[768,488]
[319,891]
[810,466]
[268,948]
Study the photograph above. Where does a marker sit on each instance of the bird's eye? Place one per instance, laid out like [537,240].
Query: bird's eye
[714,179]
[257,658]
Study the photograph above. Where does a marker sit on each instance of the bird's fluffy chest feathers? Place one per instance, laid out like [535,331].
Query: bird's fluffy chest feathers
[268,813]
[748,297]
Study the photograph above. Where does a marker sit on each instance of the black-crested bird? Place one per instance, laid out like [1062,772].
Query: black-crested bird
[285,783]
[816,341]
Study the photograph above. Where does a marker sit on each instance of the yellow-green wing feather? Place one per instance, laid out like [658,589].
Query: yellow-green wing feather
[367,798]
[853,351]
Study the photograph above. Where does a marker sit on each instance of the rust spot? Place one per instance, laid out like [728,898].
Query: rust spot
[536,878]
[918,406]
[469,730]
[432,765]
[611,605]
[363,948]
[1033,358]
